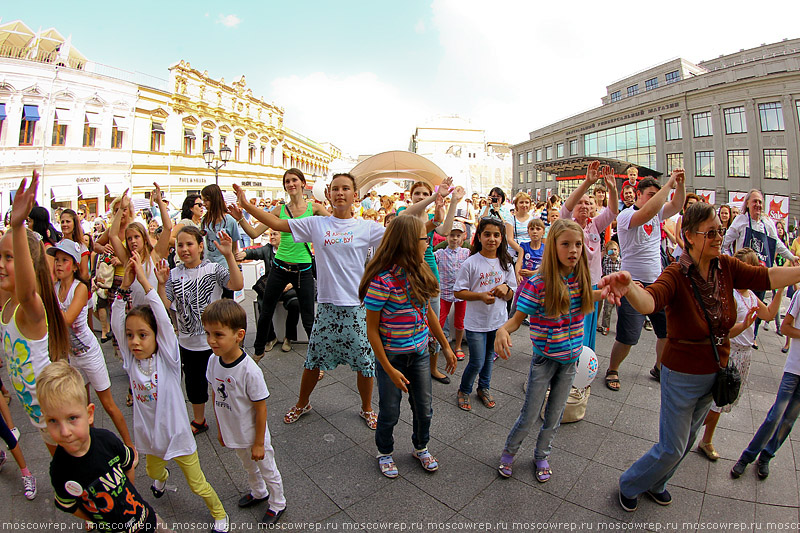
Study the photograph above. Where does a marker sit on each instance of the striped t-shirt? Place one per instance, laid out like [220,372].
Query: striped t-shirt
[559,338]
[403,327]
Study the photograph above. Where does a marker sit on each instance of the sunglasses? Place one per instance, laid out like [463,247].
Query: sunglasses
[198,204]
[80,213]
[712,233]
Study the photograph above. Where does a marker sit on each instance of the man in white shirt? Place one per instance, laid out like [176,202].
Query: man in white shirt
[639,231]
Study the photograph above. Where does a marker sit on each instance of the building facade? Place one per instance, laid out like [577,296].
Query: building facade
[93,131]
[462,151]
[733,123]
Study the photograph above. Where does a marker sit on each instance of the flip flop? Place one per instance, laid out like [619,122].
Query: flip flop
[460,355]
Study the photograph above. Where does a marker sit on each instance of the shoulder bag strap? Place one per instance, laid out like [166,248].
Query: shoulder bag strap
[289,212]
[708,321]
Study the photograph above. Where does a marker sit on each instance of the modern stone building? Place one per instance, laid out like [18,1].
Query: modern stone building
[731,122]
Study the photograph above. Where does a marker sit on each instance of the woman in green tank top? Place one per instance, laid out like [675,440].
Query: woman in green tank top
[292,262]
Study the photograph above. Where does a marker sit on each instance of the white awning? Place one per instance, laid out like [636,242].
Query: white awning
[91,190]
[63,116]
[121,123]
[64,193]
[93,119]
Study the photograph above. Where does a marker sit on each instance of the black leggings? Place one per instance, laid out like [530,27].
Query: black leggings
[292,305]
[194,365]
[5,432]
[303,284]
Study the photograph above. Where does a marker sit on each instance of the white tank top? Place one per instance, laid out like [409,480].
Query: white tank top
[26,359]
[743,305]
[81,337]
[138,296]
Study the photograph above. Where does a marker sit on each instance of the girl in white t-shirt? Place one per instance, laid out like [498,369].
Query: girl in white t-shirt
[151,357]
[486,281]
[85,355]
[748,307]
[339,336]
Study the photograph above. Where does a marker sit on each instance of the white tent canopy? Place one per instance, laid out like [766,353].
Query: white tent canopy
[396,165]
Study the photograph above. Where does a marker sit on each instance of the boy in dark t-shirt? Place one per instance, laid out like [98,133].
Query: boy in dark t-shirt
[92,470]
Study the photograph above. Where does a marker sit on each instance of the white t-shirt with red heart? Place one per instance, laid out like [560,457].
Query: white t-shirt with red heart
[640,247]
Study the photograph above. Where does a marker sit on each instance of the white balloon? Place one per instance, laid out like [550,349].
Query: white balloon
[318,190]
[587,368]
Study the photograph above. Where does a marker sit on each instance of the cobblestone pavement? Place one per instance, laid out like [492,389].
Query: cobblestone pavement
[332,480]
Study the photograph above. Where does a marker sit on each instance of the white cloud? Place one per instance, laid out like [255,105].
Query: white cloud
[229,21]
[419,27]
[359,113]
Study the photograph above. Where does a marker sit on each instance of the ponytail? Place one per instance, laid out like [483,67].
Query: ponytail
[58,334]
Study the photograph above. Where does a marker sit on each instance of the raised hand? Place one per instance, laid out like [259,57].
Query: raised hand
[156,193]
[592,174]
[225,243]
[235,211]
[240,196]
[23,201]
[129,275]
[458,193]
[162,272]
[137,265]
[445,187]
[608,177]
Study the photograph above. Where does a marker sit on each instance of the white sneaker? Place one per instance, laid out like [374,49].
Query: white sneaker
[29,486]
[766,326]
[222,526]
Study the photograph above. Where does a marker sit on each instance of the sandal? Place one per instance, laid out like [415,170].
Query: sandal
[543,471]
[427,460]
[486,397]
[655,373]
[460,355]
[505,465]
[370,417]
[612,382]
[463,401]
[295,413]
[388,468]
[708,450]
[199,428]
[129,400]
[321,375]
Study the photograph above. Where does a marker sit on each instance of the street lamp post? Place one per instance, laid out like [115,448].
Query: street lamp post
[224,157]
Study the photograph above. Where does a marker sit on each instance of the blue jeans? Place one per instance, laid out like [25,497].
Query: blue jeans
[778,424]
[544,373]
[416,367]
[685,401]
[481,360]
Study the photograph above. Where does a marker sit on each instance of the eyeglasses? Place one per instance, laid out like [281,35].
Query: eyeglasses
[712,233]
[198,204]
[80,213]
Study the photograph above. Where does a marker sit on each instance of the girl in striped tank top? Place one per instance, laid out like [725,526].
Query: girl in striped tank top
[556,298]
[395,288]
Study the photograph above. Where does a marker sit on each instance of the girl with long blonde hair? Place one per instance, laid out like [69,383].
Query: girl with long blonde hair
[556,298]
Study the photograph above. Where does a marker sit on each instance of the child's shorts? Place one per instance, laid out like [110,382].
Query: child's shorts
[339,336]
[92,366]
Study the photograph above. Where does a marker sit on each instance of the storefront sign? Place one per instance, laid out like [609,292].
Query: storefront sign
[776,207]
[627,116]
[251,184]
[708,196]
[191,180]
[92,179]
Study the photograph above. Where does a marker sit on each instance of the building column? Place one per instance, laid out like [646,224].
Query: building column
[754,145]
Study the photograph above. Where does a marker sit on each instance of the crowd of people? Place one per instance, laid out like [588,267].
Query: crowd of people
[372,281]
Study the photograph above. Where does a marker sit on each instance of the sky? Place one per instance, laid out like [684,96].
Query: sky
[364,74]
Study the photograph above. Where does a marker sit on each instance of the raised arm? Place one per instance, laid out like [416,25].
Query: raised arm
[592,175]
[225,246]
[420,207]
[458,194]
[678,180]
[24,272]
[113,232]
[270,220]
[252,231]
[162,246]
[619,284]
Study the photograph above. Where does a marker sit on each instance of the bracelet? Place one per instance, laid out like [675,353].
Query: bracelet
[240,220]
[124,292]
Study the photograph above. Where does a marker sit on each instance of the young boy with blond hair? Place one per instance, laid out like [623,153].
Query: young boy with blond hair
[92,470]
[239,397]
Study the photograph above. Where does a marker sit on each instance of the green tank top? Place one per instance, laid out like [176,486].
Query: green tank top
[290,251]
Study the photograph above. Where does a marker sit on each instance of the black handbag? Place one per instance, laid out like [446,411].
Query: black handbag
[313,259]
[728,381]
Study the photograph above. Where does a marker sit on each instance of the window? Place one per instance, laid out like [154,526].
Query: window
[651,84]
[89,129]
[673,76]
[616,96]
[59,133]
[674,161]
[548,153]
[206,141]
[704,163]
[188,141]
[538,175]
[261,157]
[156,137]
[530,176]
[521,158]
[735,121]
[702,124]
[116,137]
[521,177]
[538,155]
[573,147]
[251,153]
[776,164]
[30,116]
[672,129]
[633,90]
[771,116]
[2,117]
[236,144]
[222,142]
[560,150]
[272,156]
[529,157]
[739,163]
[634,142]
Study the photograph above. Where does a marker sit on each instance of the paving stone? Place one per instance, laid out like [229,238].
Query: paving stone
[719,510]
[505,498]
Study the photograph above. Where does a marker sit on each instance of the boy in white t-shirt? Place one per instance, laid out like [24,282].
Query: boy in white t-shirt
[782,415]
[239,396]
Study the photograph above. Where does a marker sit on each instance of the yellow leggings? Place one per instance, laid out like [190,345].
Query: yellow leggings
[190,465]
